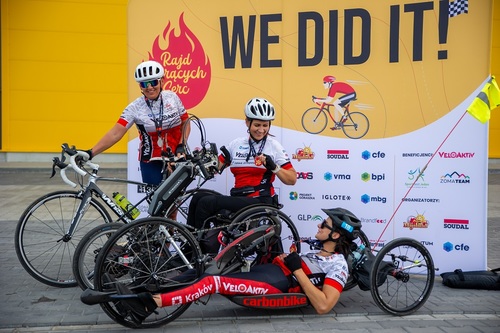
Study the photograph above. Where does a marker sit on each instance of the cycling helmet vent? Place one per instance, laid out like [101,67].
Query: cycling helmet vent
[148,70]
[345,221]
[260,109]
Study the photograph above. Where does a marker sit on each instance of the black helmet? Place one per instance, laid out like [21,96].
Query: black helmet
[344,221]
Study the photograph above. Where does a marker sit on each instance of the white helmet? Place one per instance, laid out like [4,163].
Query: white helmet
[260,109]
[148,70]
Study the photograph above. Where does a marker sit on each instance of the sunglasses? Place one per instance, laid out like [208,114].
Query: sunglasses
[153,83]
[324,225]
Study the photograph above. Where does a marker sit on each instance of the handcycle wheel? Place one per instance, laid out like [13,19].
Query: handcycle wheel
[362,239]
[151,255]
[409,283]
[42,246]
[356,126]
[258,215]
[314,120]
[86,252]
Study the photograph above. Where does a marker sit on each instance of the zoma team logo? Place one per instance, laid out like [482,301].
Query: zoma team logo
[187,67]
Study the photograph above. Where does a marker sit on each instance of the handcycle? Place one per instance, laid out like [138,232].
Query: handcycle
[355,125]
[152,254]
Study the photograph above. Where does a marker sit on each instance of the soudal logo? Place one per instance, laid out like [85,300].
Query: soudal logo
[303,154]
[418,222]
[336,197]
[365,198]
[449,246]
[373,220]
[455,178]
[455,154]
[275,301]
[366,155]
[456,224]
[337,154]
[366,176]
[305,175]
[328,176]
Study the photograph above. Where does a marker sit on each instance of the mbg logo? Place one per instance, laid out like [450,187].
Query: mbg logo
[337,154]
[304,175]
[365,176]
[448,247]
[329,176]
[366,155]
[365,198]
[307,217]
[293,195]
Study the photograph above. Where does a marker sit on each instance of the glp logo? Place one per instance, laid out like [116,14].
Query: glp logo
[366,155]
[448,247]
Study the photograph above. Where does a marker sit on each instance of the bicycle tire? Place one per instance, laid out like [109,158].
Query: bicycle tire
[405,289]
[314,120]
[140,256]
[356,126]
[86,252]
[39,242]
[362,239]
[266,214]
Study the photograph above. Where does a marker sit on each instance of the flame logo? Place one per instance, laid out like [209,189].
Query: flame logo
[187,67]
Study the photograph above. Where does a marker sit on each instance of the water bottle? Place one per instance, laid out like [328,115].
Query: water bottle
[358,254]
[126,206]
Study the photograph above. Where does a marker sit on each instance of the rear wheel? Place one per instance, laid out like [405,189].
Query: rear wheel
[356,126]
[152,254]
[407,286]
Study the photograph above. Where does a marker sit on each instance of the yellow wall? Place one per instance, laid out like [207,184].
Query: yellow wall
[65,74]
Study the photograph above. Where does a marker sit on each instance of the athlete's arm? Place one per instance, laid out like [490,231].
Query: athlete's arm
[109,139]
[323,300]
[287,176]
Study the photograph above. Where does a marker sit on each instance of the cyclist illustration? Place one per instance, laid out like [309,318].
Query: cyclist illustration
[334,88]
[355,125]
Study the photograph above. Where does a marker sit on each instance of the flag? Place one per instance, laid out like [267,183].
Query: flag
[458,7]
[487,99]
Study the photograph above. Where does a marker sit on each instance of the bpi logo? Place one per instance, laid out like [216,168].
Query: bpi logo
[366,176]
[448,247]
[366,155]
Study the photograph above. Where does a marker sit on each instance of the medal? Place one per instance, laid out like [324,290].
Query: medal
[257,161]
[160,142]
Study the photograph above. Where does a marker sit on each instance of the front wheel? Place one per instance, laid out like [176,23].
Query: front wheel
[87,250]
[356,126]
[42,244]
[403,288]
[314,120]
[153,254]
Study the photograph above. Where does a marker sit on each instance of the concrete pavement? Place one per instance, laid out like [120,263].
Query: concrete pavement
[30,306]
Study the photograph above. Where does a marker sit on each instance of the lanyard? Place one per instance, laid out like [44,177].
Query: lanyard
[252,152]
[157,120]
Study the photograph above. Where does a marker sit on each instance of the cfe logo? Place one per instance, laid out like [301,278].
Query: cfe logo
[366,155]
[448,247]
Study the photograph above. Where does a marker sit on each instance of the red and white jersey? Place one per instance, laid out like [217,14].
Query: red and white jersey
[246,172]
[164,115]
[331,270]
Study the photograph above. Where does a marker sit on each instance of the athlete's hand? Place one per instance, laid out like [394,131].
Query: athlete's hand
[293,261]
[269,164]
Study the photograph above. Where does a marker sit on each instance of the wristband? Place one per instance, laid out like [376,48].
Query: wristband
[278,168]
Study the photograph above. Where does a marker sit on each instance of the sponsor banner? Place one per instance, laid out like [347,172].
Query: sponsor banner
[408,158]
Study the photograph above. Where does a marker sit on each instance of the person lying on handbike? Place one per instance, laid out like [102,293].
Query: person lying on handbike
[320,275]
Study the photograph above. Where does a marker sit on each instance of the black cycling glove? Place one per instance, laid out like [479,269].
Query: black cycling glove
[270,165]
[293,261]
[180,149]
[90,153]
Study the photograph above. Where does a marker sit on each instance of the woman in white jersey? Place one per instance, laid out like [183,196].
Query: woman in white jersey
[255,161]
[321,275]
[160,118]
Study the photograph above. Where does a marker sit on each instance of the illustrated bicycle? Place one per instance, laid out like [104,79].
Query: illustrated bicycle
[151,255]
[355,125]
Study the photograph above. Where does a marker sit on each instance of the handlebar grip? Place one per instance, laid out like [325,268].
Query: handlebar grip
[74,165]
[203,171]
[65,178]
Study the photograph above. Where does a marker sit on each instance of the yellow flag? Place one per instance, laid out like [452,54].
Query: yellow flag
[485,101]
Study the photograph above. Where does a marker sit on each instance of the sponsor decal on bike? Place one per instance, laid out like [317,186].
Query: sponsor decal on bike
[456,224]
[245,289]
[275,301]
